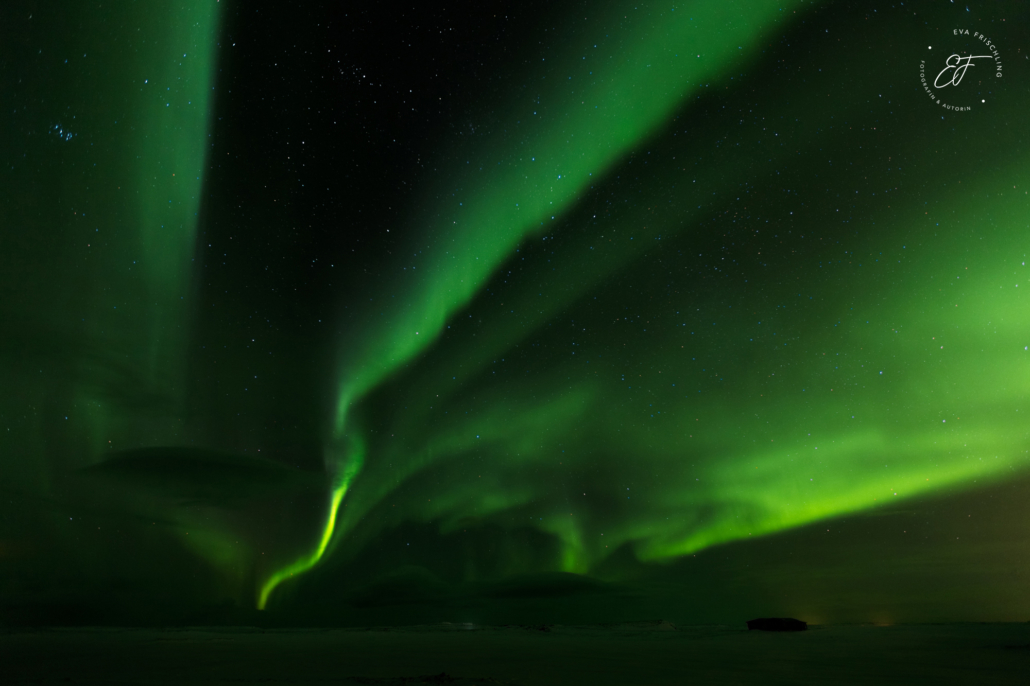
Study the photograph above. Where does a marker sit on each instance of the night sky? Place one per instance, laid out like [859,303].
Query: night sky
[514,311]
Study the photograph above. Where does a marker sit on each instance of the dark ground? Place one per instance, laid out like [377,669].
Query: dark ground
[637,653]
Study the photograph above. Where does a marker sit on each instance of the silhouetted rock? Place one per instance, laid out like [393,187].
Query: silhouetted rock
[777,624]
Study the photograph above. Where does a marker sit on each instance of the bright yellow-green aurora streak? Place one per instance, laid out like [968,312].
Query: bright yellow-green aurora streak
[305,563]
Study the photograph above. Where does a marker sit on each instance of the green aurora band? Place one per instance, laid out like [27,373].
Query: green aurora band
[593,104]
[99,226]
[632,80]
[675,295]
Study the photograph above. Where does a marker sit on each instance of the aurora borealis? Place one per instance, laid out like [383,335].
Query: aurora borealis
[305,305]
